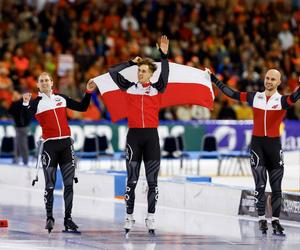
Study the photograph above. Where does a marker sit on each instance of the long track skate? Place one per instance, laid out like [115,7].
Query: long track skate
[150,224]
[70,227]
[129,222]
[263,226]
[49,225]
[278,230]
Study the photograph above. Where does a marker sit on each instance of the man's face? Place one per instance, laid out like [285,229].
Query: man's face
[144,73]
[45,83]
[272,80]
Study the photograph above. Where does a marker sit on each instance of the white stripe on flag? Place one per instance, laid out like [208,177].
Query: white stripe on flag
[178,74]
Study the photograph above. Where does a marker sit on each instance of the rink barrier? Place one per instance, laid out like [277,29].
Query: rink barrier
[119,182]
[290,206]
[182,192]
[188,193]
[176,193]
[198,178]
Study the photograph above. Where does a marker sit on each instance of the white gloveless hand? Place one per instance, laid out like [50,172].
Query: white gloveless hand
[208,71]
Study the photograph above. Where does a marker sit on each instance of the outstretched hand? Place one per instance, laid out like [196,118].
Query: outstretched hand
[91,85]
[164,44]
[208,71]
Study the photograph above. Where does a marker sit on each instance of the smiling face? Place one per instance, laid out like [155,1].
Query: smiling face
[45,83]
[272,80]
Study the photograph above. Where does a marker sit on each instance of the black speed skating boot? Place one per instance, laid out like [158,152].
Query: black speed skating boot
[263,226]
[70,226]
[49,224]
[277,228]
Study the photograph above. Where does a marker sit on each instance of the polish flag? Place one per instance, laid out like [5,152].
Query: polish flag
[186,85]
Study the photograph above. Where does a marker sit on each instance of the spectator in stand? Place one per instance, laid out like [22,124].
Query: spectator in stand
[226,112]
[21,126]
[21,61]
[286,37]
[244,37]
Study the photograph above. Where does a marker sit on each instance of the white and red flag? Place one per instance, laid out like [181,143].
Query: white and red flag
[186,85]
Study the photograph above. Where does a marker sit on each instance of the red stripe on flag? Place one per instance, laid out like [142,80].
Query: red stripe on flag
[116,103]
[187,93]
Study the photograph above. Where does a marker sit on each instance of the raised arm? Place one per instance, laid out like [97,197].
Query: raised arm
[161,84]
[120,80]
[289,100]
[85,102]
[29,108]
[225,89]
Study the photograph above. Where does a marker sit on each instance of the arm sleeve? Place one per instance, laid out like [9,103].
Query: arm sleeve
[289,100]
[162,82]
[28,110]
[78,106]
[226,90]
[120,80]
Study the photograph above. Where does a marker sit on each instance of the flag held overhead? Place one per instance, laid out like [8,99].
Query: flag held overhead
[186,85]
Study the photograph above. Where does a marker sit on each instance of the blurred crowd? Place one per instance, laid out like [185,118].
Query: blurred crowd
[236,39]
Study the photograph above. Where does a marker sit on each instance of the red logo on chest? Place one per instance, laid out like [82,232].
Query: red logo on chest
[58,104]
[274,106]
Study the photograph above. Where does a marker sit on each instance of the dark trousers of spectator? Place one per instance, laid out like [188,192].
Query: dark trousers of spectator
[21,145]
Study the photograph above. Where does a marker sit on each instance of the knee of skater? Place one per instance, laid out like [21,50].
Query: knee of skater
[260,189]
[68,187]
[276,193]
[49,188]
[68,182]
[131,184]
[153,185]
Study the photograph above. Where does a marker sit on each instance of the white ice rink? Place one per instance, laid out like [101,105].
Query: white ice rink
[101,222]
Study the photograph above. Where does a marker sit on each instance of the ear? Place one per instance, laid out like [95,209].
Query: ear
[279,82]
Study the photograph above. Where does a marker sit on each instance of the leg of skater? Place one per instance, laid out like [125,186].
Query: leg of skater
[49,162]
[276,170]
[66,162]
[259,172]
[151,158]
[133,163]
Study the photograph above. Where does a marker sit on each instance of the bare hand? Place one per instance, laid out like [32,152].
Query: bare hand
[208,71]
[26,97]
[164,44]
[137,59]
[91,85]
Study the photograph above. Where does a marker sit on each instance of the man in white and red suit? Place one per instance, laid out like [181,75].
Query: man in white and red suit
[269,109]
[142,142]
[50,111]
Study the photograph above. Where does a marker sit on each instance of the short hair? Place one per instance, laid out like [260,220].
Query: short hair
[148,61]
[45,73]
